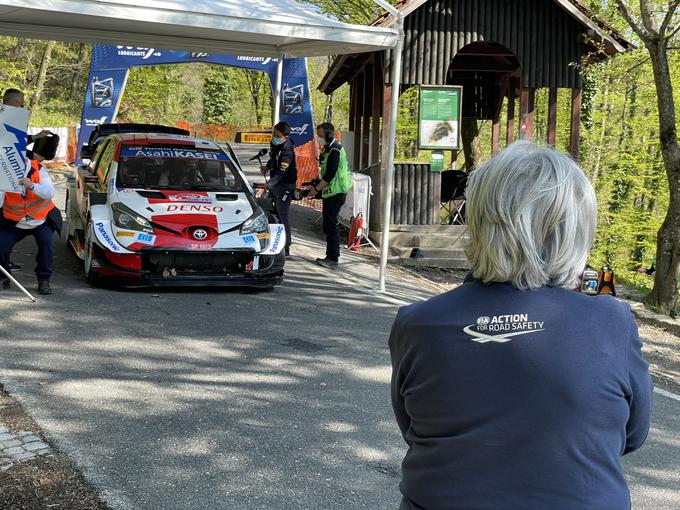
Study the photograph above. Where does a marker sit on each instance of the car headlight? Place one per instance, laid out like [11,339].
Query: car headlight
[126,218]
[256,224]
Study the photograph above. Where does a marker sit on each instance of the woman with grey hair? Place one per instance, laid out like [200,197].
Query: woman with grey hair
[513,391]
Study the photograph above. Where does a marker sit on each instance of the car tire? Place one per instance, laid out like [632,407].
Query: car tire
[90,275]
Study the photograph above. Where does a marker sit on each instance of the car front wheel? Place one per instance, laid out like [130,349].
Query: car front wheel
[91,275]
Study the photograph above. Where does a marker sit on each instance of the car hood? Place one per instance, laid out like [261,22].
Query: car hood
[179,209]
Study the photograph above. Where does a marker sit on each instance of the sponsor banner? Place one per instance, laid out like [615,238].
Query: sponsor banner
[13,134]
[125,233]
[109,70]
[140,152]
[254,137]
[250,239]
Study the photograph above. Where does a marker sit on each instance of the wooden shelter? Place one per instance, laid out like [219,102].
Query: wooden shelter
[498,50]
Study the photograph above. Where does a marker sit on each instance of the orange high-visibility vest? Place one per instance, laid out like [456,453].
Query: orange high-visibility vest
[16,207]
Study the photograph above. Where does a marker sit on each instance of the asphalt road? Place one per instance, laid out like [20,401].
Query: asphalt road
[233,399]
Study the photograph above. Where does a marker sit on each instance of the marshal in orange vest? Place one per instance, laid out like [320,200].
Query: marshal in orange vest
[16,207]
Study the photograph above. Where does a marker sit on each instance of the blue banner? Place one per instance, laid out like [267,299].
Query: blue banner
[110,65]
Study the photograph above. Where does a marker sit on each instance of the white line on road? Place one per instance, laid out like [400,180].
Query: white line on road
[667,394]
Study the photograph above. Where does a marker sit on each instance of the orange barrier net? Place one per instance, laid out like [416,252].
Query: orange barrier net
[307,161]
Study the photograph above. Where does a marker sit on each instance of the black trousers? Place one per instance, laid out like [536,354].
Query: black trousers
[330,209]
[10,235]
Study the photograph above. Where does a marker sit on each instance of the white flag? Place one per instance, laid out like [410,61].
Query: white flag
[13,128]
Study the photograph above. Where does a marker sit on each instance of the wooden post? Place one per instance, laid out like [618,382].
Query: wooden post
[375,121]
[358,122]
[575,137]
[552,116]
[366,117]
[526,106]
[352,120]
[510,126]
[378,184]
[496,135]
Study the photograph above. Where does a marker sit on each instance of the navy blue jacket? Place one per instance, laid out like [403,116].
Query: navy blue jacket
[282,166]
[512,400]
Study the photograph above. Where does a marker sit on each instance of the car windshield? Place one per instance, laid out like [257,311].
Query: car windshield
[177,168]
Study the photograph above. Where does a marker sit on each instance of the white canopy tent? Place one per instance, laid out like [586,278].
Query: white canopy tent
[252,28]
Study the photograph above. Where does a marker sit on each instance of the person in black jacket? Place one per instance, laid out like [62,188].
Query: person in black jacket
[282,172]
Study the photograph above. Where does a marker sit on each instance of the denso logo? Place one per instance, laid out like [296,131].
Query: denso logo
[96,122]
[299,130]
[131,51]
[195,208]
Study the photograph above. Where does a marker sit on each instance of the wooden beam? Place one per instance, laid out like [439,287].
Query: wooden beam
[575,136]
[552,116]
[510,125]
[496,135]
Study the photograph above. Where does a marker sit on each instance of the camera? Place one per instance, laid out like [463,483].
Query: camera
[299,193]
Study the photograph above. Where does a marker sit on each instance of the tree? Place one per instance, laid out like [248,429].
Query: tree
[656,30]
[42,74]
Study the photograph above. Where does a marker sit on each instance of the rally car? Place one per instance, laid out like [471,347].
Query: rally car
[164,208]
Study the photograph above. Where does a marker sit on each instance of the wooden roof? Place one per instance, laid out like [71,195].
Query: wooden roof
[546,54]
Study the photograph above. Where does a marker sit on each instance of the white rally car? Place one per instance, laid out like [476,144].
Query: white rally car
[167,209]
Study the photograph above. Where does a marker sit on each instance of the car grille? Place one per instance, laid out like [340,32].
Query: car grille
[178,263]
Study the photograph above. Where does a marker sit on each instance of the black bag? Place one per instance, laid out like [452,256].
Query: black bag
[55,220]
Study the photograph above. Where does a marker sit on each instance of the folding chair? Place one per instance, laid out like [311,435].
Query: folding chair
[453,186]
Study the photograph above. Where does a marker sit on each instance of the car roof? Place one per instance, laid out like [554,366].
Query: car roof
[157,139]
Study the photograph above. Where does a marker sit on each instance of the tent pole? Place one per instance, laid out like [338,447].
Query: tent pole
[277,92]
[389,164]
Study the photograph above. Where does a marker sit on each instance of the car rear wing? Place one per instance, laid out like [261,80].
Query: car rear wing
[104,130]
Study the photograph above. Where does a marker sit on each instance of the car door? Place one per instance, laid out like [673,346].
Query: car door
[103,166]
[87,180]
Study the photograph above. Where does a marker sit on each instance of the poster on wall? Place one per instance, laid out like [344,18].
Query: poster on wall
[439,115]
[13,134]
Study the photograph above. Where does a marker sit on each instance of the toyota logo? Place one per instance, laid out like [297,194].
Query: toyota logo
[200,234]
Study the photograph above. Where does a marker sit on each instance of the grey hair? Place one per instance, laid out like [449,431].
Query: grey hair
[532,215]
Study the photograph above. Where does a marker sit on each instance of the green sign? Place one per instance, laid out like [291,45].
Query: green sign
[439,117]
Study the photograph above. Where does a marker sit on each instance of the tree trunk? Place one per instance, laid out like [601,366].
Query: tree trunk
[75,78]
[664,294]
[18,49]
[42,74]
[472,147]
[603,129]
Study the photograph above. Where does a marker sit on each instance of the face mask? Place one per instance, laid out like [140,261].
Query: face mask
[276,140]
[320,140]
